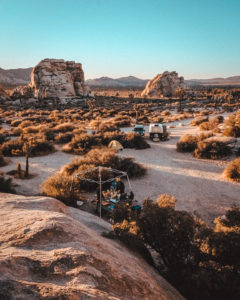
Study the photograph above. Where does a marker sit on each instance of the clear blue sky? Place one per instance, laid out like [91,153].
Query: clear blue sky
[197,38]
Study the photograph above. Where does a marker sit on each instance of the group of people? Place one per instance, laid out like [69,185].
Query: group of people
[113,193]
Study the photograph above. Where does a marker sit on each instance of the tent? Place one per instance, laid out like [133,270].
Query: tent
[116,174]
[115,145]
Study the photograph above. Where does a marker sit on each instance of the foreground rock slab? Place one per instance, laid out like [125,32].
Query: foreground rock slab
[46,252]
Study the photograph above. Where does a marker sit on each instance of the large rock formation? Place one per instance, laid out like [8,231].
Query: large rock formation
[164,84]
[46,252]
[56,78]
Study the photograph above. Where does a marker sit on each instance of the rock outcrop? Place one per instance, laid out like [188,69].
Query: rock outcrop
[46,252]
[56,78]
[164,84]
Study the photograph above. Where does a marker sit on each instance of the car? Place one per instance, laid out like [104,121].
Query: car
[158,132]
[139,129]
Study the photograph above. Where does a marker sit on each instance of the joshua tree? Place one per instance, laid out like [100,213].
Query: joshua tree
[91,104]
[27,151]
[180,93]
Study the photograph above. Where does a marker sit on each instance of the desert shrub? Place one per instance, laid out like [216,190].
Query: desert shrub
[3,161]
[6,184]
[104,157]
[37,147]
[131,240]
[12,148]
[232,170]
[198,120]
[25,123]
[210,125]
[61,188]
[122,120]
[82,143]
[3,138]
[41,147]
[65,127]
[218,119]
[233,131]
[15,123]
[187,143]
[63,138]
[135,140]
[212,149]
[166,200]
[190,255]
[16,131]
[233,125]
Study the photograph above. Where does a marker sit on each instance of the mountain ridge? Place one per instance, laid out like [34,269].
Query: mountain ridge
[21,76]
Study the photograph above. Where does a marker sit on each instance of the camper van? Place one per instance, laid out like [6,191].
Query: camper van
[158,132]
[139,129]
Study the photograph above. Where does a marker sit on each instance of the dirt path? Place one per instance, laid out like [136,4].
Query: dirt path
[197,184]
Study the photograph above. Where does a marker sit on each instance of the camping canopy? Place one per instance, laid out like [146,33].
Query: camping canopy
[115,145]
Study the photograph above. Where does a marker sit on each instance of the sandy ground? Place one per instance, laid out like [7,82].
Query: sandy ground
[197,184]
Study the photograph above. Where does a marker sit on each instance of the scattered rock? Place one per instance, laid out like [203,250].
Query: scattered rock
[164,84]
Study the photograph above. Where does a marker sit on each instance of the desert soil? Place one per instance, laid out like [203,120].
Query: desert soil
[197,184]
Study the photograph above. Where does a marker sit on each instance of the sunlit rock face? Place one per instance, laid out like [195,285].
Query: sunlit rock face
[164,84]
[56,78]
[48,251]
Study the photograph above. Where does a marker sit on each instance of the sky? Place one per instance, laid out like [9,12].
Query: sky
[114,38]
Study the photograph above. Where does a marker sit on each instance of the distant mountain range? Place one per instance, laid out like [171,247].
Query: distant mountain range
[119,82]
[16,77]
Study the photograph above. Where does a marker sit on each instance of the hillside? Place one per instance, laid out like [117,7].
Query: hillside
[129,81]
[14,77]
[48,251]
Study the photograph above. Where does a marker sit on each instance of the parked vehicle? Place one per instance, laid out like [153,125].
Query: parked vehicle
[139,129]
[158,132]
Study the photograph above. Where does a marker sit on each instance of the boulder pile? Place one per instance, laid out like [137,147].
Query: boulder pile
[163,85]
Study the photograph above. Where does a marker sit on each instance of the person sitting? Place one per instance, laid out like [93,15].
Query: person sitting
[120,186]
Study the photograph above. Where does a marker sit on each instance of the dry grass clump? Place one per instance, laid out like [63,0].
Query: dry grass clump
[198,120]
[233,125]
[187,143]
[102,157]
[232,170]
[38,147]
[3,161]
[65,127]
[212,149]
[60,187]
[166,200]
[6,185]
[82,143]
[63,138]
[212,124]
